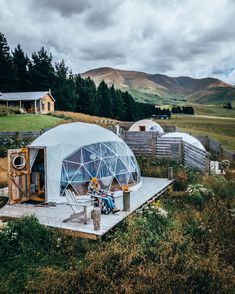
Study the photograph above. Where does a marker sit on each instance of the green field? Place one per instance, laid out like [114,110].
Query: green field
[213,110]
[220,129]
[27,122]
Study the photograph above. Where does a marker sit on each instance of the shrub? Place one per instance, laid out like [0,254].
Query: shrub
[6,110]
[225,163]
[25,235]
[196,194]
[221,187]
[12,143]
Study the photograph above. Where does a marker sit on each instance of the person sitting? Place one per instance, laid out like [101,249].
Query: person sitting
[95,189]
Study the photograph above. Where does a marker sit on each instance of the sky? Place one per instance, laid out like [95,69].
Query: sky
[174,37]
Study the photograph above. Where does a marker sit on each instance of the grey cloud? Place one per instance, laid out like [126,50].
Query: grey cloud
[101,52]
[174,37]
[65,8]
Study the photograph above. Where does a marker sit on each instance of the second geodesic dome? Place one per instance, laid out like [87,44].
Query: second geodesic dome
[76,152]
[146,125]
[186,138]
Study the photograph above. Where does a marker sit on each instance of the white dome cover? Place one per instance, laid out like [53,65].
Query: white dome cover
[185,137]
[149,125]
[76,152]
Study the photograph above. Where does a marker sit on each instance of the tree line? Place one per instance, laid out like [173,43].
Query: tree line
[18,72]
[183,109]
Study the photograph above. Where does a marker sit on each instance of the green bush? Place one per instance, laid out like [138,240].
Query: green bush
[221,186]
[197,194]
[12,143]
[6,110]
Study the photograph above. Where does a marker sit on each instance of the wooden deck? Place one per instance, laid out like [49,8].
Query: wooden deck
[53,216]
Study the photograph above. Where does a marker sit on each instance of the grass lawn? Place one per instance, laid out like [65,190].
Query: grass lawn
[221,129]
[213,110]
[27,122]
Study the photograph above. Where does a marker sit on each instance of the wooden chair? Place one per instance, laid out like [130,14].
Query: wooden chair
[80,207]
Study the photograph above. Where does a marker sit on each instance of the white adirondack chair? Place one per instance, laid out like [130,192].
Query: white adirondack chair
[80,207]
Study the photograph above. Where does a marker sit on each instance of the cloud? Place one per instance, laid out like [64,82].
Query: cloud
[64,8]
[174,37]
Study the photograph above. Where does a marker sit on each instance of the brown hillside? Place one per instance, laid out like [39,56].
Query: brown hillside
[197,90]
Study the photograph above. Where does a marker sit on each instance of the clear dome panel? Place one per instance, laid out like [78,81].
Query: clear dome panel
[71,168]
[111,145]
[106,182]
[88,155]
[111,162]
[120,148]
[75,156]
[106,152]
[122,179]
[94,148]
[81,175]
[120,167]
[103,171]
[80,188]
[92,167]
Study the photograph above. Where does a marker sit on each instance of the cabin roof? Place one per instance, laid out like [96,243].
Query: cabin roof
[24,96]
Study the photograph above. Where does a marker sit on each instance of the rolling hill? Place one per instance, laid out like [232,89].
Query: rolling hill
[161,89]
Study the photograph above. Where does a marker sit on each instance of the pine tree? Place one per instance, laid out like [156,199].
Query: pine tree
[105,100]
[117,105]
[41,70]
[7,73]
[21,64]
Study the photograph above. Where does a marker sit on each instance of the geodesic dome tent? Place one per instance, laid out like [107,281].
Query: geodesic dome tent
[186,138]
[76,152]
[146,125]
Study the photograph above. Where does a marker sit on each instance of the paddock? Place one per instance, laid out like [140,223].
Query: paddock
[53,216]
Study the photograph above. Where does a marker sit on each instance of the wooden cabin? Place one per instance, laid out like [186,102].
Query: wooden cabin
[31,102]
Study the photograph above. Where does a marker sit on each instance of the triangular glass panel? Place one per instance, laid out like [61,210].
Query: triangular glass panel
[70,168]
[131,180]
[103,171]
[111,145]
[79,188]
[63,187]
[125,160]
[92,167]
[75,156]
[64,175]
[106,152]
[88,156]
[122,179]
[111,163]
[78,176]
[120,167]
[94,148]
[120,149]
[106,182]
[84,175]
[135,177]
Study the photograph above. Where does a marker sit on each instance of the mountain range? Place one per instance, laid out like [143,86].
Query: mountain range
[162,89]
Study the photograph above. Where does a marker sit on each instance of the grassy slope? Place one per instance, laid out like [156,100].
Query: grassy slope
[219,129]
[213,110]
[27,122]
[213,96]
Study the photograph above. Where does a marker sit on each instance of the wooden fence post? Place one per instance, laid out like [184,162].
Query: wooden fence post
[181,150]
[170,173]
[126,201]
[153,144]
[96,215]
[207,164]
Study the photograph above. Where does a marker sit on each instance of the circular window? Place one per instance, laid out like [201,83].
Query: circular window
[18,162]
[92,156]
